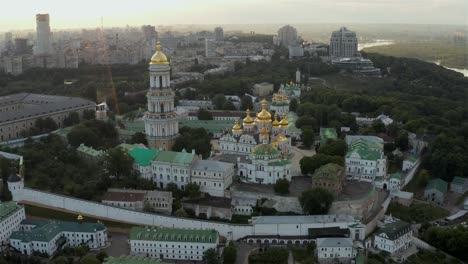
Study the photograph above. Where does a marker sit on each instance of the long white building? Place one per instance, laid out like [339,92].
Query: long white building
[172,243]
[335,248]
[365,160]
[11,215]
[393,237]
[213,177]
[47,237]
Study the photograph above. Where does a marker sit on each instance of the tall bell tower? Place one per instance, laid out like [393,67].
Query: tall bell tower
[161,125]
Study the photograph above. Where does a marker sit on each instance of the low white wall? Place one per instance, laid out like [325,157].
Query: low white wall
[230,231]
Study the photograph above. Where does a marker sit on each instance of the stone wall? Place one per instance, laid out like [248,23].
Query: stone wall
[99,210]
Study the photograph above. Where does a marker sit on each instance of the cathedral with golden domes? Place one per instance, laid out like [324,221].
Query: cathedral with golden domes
[264,143]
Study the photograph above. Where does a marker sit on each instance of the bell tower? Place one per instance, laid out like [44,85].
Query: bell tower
[161,125]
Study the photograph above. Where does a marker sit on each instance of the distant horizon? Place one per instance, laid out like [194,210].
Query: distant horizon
[20,14]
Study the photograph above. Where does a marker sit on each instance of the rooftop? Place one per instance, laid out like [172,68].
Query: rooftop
[38,104]
[459,180]
[212,126]
[329,171]
[437,184]
[174,157]
[131,260]
[174,234]
[367,150]
[301,219]
[8,208]
[142,156]
[211,165]
[334,242]
[327,133]
[123,196]
[394,230]
[89,151]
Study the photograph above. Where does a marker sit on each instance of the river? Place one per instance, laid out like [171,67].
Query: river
[377,42]
[460,70]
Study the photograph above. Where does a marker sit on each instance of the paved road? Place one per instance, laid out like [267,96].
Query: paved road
[243,252]
[119,245]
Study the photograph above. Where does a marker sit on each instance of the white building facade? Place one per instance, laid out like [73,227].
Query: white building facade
[213,177]
[343,44]
[11,215]
[393,237]
[335,248]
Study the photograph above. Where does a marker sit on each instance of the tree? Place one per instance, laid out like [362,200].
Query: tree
[102,255]
[72,119]
[139,138]
[293,105]
[402,141]
[218,101]
[192,190]
[204,114]
[90,259]
[316,201]
[89,114]
[60,260]
[246,103]
[310,164]
[118,163]
[82,134]
[282,186]
[229,105]
[336,147]
[211,256]
[230,254]
[308,137]
[193,138]
[378,126]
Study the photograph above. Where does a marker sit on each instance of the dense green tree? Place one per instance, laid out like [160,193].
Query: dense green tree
[83,135]
[192,190]
[378,126]
[402,141]
[72,119]
[308,137]
[89,259]
[334,148]
[204,114]
[218,101]
[89,114]
[211,256]
[282,186]
[450,240]
[193,138]
[102,255]
[93,133]
[118,163]
[316,201]
[60,260]
[293,105]
[230,254]
[246,103]
[310,164]
[228,105]
[139,138]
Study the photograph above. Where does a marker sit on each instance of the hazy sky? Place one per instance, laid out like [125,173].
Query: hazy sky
[20,14]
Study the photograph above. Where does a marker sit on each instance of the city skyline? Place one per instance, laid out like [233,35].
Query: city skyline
[88,14]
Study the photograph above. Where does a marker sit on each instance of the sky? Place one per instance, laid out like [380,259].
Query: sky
[20,14]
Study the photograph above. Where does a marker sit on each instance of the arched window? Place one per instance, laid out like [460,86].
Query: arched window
[162,108]
[160,82]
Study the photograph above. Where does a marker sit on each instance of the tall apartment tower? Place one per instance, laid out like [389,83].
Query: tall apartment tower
[287,35]
[219,34]
[43,34]
[343,44]
[161,125]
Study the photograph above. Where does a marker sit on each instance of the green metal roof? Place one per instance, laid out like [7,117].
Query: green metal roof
[8,208]
[395,229]
[131,260]
[437,184]
[459,180]
[212,126]
[47,230]
[279,163]
[330,171]
[265,150]
[143,156]
[174,234]
[367,150]
[90,151]
[174,157]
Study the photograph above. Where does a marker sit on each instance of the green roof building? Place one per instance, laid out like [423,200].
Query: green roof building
[49,236]
[11,215]
[330,176]
[172,243]
[89,152]
[181,158]
[459,185]
[143,156]
[435,191]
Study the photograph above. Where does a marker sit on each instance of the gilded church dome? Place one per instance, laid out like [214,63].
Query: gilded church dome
[236,127]
[284,122]
[275,122]
[248,119]
[159,57]
[264,116]
[281,138]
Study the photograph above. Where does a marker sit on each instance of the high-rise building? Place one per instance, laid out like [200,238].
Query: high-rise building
[219,34]
[287,35]
[149,32]
[210,47]
[21,46]
[343,44]
[43,34]
[161,124]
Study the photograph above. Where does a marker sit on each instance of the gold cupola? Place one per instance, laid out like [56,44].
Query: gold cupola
[236,127]
[159,57]
[248,119]
[275,122]
[284,122]
[264,116]
[264,133]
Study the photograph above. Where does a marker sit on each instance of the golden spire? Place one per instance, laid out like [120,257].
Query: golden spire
[264,116]
[79,218]
[275,122]
[284,122]
[159,57]
[248,119]
[264,133]
[236,127]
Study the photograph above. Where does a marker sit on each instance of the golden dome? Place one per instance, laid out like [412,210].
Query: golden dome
[284,122]
[275,122]
[281,138]
[274,144]
[263,116]
[236,127]
[79,218]
[159,57]
[248,119]
[264,132]
[275,97]
[285,97]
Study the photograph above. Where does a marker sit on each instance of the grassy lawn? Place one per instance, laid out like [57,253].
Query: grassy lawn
[304,255]
[426,257]
[272,255]
[417,212]
[36,211]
